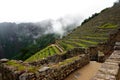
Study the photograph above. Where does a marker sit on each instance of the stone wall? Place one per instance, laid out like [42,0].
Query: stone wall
[60,57]
[9,72]
[59,72]
[105,47]
[56,67]
[93,52]
[110,69]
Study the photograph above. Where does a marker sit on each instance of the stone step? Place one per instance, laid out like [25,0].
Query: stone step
[117,43]
[117,46]
[110,69]
[115,56]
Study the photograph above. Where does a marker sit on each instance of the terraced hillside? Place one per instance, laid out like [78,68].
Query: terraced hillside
[94,31]
[48,51]
[58,60]
[88,37]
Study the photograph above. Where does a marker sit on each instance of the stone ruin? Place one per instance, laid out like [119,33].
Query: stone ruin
[59,66]
[110,69]
[55,67]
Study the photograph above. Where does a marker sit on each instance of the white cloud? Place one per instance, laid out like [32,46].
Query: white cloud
[37,10]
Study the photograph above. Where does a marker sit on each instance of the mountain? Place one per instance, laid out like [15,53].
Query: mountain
[96,39]
[25,39]
[14,37]
[32,48]
[93,31]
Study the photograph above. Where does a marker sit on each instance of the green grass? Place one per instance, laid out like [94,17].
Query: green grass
[87,36]
[51,51]
[78,43]
[81,37]
[48,51]
[98,38]
[65,62]
[108,26]
[56,49]
[21,67]
[88,41]
[66,46]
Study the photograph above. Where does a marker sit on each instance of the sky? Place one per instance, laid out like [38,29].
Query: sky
[38,10]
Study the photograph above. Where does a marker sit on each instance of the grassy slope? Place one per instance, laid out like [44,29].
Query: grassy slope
[87,37]
[94,31]
[48,51]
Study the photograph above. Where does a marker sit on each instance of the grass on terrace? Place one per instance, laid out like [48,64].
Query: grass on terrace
[21,67]
[48,51]
[81,37]
[87,36]
[67,61]
[108,26]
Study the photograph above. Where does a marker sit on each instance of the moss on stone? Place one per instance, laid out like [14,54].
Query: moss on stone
[67,61]
[21,66]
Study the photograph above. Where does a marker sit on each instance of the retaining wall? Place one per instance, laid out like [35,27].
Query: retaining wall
[56,67]
[110,69]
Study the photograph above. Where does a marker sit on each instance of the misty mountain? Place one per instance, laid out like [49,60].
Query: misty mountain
[14,37]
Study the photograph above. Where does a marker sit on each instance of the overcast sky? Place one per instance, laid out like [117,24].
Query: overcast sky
[37,10]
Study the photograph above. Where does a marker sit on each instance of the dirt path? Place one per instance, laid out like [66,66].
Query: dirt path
[85,73]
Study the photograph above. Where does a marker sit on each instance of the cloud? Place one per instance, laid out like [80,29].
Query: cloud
[65,24]
[62,25]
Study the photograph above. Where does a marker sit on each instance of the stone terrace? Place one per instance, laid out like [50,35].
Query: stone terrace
[110,69]
[55,67]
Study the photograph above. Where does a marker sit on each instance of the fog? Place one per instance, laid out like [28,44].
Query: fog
[63,25]
[60,26]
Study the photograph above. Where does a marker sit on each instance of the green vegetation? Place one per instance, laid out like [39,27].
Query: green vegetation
[66,46]
[21,67]
[86,20]
[105,9]
[56,49]
[67,61]
[86,36]
[48,51]
[108,26]
[20,41]
[92,31]
[93,16]
[31,49]
[92,42]
[78,38]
